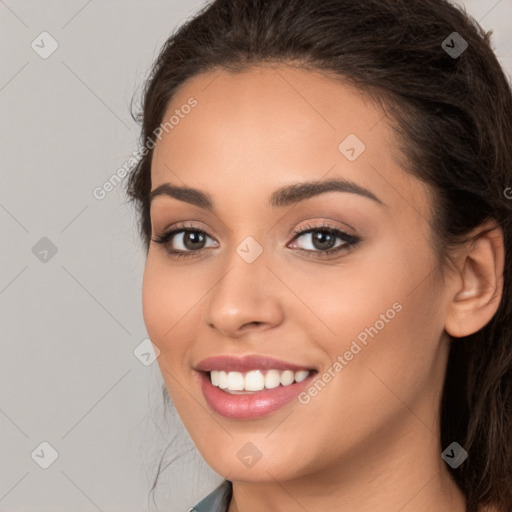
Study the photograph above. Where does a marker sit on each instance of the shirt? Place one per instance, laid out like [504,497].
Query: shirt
[216,501]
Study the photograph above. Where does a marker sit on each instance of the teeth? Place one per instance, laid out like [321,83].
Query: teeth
[235,381]
[215,378]
[255,380]
[300,376]
[223,380]
[287,377]
[272,379]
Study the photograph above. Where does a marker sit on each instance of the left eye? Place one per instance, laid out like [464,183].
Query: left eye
[324,239]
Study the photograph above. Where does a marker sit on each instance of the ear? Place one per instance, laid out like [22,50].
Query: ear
[477,283]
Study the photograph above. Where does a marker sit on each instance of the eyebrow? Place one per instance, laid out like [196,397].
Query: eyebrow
[284,196]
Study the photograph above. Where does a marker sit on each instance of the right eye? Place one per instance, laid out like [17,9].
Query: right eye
[189,241]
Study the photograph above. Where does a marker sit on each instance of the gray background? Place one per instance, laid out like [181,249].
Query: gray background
[71,320]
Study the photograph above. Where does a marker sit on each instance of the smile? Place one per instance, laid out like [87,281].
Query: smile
[243,404]
[255,380]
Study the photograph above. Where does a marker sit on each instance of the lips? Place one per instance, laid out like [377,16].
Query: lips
[244,364]
[250,405]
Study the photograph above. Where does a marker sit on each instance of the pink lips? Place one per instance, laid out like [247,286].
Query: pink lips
[246,363]
[251,405]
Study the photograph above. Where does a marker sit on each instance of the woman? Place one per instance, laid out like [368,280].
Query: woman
[324,199]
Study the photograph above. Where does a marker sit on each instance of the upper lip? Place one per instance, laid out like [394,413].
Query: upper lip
[247,363]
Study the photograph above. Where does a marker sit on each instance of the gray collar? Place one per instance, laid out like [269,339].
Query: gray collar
[216,501]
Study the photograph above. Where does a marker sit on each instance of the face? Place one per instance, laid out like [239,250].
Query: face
[341,281]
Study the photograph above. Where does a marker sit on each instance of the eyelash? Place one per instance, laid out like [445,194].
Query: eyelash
[350,240]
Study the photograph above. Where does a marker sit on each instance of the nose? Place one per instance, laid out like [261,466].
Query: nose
[246,297]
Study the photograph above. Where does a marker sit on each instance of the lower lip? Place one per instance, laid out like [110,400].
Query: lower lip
[251,405]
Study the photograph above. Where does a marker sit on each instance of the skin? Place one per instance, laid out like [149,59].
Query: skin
[369,441]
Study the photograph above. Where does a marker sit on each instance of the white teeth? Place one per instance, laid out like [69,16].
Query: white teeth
[255,380]
[223,380]
[215,378]
[287,377]
[300,376]
[235,381]
[272,379]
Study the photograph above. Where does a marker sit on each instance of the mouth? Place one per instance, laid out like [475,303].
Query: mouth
[253,394]
[255,380]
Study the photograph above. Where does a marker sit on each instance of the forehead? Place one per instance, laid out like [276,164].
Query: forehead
[269,126]
[272,107]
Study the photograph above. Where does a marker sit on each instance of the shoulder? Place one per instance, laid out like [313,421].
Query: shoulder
[217,501]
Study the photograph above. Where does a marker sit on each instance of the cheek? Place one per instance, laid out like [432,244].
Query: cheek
[152,304]
[388,328]
[171,302]
[162,305]
[350,297]
[396,375]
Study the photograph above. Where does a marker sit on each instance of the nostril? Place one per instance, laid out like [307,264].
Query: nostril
[252,323]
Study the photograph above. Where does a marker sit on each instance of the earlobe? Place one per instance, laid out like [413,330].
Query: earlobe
[479,283]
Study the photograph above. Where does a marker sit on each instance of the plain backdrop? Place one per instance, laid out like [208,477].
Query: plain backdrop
[77,393]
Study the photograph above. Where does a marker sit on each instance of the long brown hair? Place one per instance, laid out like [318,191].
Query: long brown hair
[453,116]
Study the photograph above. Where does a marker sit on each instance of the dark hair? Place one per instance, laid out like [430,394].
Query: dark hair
[453,118]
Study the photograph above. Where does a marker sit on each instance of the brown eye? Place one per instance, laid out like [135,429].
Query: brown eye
[322,239]
[183,240]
